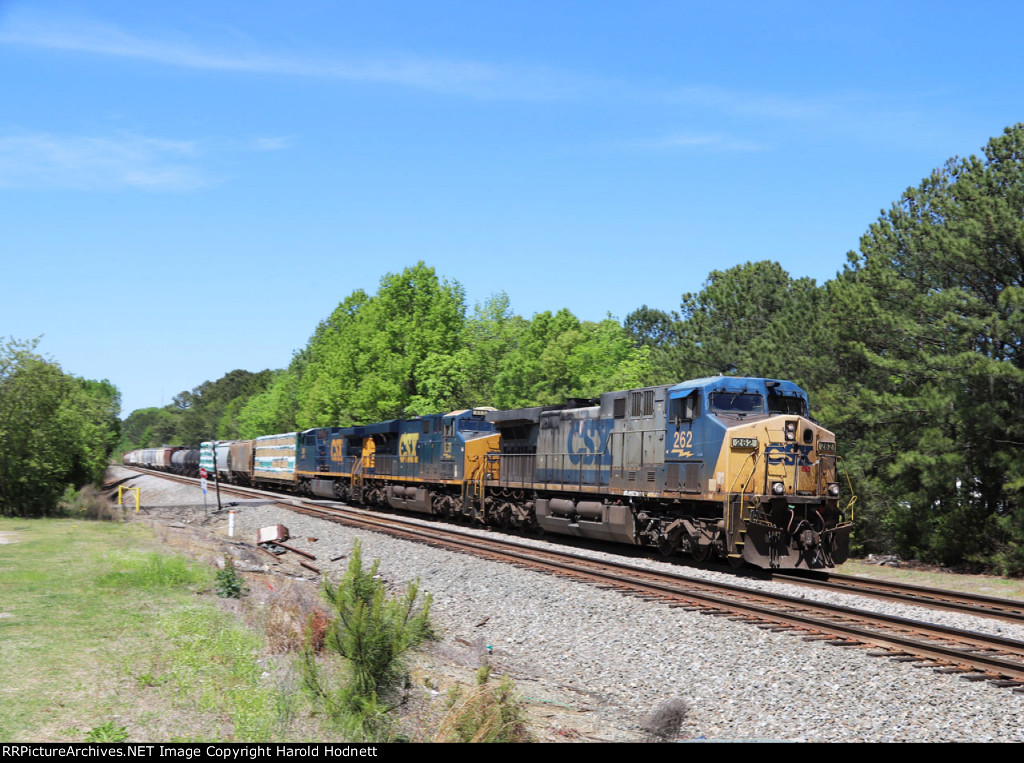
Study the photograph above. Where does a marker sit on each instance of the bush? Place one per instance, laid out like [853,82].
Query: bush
[293,619]
[89,503]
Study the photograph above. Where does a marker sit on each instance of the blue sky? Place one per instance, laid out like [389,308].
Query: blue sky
[188,188]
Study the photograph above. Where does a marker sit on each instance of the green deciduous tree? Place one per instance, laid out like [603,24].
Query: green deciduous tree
[56,430]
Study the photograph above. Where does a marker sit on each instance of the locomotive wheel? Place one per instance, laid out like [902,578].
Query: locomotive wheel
[666,547]
[700,553]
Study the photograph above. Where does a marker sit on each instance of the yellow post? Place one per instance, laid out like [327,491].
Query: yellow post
[120,496]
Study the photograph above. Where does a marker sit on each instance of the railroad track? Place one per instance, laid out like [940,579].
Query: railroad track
[974,656]
[908,593]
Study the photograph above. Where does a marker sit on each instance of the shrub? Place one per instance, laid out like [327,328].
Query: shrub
[89,503]
[293,618]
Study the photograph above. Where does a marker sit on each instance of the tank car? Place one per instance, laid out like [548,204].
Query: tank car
[727,466]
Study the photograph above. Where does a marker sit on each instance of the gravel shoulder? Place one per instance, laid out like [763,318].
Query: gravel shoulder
[594,663]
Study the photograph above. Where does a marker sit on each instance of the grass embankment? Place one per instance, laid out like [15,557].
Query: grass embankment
[105,637]
[102,637]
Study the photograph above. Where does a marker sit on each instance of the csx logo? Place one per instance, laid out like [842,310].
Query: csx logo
[337,450]
[587,441]
[407,448]
[789,454]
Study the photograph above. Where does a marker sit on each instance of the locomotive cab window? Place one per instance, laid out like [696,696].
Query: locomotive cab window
[684,408]
[789,404]
[736,402]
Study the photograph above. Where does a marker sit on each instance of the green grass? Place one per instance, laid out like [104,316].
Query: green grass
[986,585]
[105,636]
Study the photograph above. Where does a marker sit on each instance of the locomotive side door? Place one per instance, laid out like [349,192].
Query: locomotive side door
[683,451]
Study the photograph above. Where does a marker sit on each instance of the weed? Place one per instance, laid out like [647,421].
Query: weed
[666,719]
[292,618]
[148,680]
[89,503]
[489,713]
[228,583]
[107,732]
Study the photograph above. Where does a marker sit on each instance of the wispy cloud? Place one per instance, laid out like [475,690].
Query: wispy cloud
[47,161]
[683,141]
[759,105]
[451,76]
[270,144]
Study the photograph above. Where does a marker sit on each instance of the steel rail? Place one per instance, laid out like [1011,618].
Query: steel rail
[925,596]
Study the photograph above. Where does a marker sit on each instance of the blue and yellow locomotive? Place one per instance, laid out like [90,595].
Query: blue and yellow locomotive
[428,464]
[724,466]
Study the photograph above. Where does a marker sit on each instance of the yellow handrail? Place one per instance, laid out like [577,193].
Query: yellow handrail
[853,498]
[755,455]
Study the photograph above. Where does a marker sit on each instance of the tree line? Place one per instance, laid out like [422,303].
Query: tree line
[911,354]
[56,430]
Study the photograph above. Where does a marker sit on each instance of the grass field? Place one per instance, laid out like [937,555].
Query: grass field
[103,638]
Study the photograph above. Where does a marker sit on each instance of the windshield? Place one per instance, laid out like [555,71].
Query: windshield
[736,402]
[786,404]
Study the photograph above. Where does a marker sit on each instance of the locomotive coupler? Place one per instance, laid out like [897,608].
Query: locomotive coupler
[809,539]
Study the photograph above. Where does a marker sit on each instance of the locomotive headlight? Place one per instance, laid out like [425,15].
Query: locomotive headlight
[790,430]
[833,489]
[778,488]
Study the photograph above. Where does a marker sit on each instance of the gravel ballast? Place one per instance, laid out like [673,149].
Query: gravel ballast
[610,659]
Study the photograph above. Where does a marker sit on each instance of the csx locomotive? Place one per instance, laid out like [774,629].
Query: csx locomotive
[724,466]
